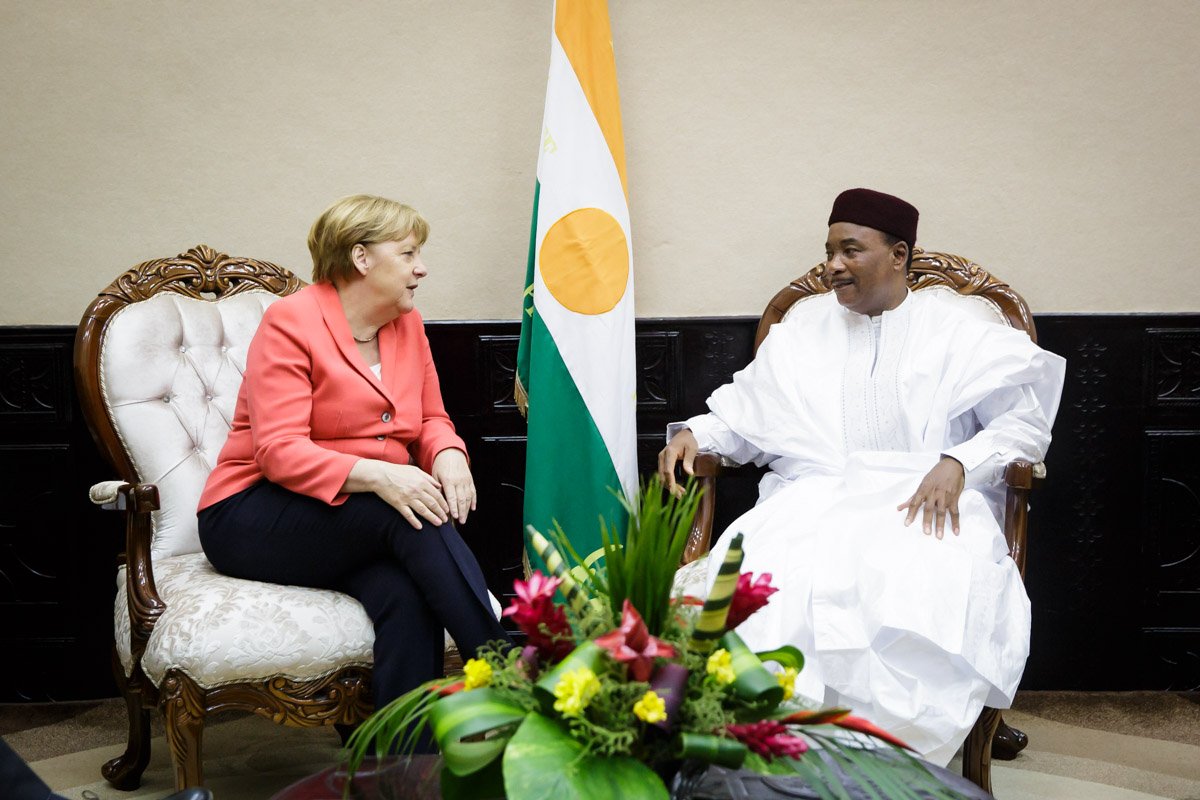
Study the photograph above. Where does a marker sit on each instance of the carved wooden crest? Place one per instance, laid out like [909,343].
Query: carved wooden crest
[202,273]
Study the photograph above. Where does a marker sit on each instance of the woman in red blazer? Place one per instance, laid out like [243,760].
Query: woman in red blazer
[342,469]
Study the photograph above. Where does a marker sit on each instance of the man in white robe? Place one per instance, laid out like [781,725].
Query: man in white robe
[876,408]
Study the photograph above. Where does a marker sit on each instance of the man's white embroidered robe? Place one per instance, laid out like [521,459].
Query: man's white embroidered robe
[850,413]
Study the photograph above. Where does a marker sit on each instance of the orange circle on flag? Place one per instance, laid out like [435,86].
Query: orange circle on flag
[584,261]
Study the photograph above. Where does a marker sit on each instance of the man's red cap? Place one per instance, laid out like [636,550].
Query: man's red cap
[877,210]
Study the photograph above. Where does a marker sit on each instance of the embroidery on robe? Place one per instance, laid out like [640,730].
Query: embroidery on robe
[872,414]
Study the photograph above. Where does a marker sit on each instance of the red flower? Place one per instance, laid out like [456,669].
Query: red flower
[825,716]
[632,644]
[769,739]
[864,726]
[842,718]
[543,622]
[749,596]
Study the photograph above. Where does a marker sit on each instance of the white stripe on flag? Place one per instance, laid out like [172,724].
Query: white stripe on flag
[576,170]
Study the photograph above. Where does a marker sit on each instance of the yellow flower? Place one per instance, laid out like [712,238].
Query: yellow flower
[478,674]
[787,679]
[650,708]
[574,691]
[720,666]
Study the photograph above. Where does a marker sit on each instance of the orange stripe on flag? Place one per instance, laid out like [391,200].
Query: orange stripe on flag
[583,31]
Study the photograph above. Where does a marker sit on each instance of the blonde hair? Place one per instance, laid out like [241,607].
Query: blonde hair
[358,219]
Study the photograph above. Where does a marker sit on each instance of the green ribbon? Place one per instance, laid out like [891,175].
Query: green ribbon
[754,682]
[712,749]
[570,588]
[711,623]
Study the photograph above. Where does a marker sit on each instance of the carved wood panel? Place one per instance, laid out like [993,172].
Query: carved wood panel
[498,356]
[1170,659]
[658,376]
[31,383]
[29,571]
[1172,531]
[1088,368]
[1173,362]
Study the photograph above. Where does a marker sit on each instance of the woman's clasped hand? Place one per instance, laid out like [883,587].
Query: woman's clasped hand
[448,493]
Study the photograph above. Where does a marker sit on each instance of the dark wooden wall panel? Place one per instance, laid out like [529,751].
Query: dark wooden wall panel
[1114,564]
[56,559]
[1170,622]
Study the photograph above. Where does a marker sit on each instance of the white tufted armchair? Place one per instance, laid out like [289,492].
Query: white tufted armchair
[159,357]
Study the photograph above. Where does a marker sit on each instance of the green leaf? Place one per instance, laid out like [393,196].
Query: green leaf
[786,656]
[486,784]
[461,724]
[643,569]
[395,727]
[814,777]
[543,762]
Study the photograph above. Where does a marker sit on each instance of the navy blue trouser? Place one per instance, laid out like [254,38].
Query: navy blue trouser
[413,583]
[18,781]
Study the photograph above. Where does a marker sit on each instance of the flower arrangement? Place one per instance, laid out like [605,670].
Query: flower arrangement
[624,690]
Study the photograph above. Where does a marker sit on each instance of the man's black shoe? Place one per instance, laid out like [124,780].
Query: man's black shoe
[1008,742]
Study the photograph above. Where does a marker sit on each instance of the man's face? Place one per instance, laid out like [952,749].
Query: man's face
[866,273]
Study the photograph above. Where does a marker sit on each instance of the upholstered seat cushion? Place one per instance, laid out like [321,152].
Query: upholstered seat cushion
[223,630]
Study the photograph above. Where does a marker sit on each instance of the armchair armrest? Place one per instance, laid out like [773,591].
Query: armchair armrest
[1024,475]
[137,500]
[707,468]
[1020,477]
[711,465]
[107,494]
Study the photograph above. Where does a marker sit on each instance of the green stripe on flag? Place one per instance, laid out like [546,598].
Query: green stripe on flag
[521,390]
[568,471]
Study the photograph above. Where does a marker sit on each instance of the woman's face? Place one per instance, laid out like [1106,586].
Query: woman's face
[392,270]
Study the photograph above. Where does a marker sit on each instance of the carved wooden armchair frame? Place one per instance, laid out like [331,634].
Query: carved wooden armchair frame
[341,697]
[928,271]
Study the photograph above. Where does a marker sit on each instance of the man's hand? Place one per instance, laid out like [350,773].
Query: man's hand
[450,469]
[937,496]
[683,446]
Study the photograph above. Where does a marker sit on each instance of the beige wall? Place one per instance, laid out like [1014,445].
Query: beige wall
[1056,143]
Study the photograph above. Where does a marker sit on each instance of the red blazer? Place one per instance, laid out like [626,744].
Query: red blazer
[309,407]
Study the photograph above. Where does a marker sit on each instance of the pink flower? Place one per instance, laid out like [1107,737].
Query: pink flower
[632,644]
[769,739]
[543,622]
[749,596]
